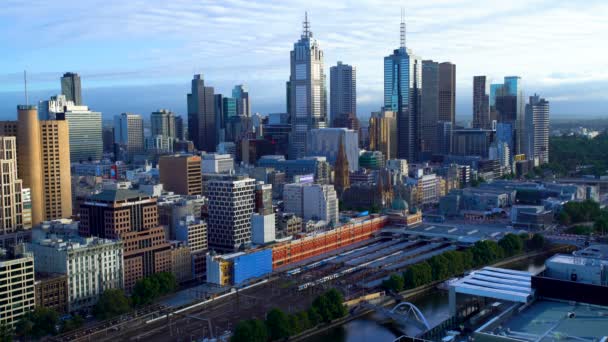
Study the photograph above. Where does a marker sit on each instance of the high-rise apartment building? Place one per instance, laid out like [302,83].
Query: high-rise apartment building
[231,204]
[17,287]
[202,128]
[181,174]
[43,162]
[481,103]
[71,87]
[131,217]
[447,92]
[129,133]
[240,93]
[307,93]
[383,133]
[402,85]
[85,126]
[11,205]
[536,137]
[343,93]
[162,122]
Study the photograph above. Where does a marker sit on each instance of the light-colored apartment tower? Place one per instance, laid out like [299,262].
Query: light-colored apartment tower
[11,203]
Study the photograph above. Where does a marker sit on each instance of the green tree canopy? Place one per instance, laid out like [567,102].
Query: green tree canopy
[111,303]
[251,330]
[277,324]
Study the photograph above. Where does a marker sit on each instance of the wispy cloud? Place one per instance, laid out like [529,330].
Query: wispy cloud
[551,44]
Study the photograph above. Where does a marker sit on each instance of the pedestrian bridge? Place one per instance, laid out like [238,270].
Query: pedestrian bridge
[404,313]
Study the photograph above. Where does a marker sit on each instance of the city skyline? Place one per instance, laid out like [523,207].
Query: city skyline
[361,38]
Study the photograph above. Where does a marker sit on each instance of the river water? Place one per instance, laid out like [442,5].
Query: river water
[434,305]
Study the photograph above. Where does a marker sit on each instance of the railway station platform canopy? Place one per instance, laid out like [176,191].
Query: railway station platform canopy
[495,283]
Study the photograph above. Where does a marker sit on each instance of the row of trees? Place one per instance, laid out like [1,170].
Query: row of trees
[114,302]
[452,263]
[586,211]
[566,154]
[40,322]
[279,325]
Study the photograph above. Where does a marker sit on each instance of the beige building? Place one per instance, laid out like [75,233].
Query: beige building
[11,203]
[383,133]
[181,174]
[43,159]
[181,262]
[16,289]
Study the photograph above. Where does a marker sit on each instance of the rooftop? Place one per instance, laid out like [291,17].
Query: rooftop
[497,283]
[117,195]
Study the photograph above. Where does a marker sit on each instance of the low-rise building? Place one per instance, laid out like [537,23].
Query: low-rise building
[238,268]
[52,291]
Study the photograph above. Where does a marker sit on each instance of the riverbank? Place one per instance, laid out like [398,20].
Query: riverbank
[421,291]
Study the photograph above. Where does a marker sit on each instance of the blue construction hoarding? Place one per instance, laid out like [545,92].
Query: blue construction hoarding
[252,265]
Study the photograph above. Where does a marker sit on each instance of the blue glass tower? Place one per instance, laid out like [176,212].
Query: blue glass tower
[402,83]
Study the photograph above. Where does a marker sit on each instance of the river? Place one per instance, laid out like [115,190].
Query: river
[434,305]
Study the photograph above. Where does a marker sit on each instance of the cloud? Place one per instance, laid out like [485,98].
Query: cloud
[551,44]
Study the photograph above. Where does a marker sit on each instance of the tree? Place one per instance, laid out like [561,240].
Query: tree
[294,325]
[148,289]
[511,244]
[394,283]
[314,316]
[537,241]
[336,302]
[72,324]
[111,303]
[277,324]
[38,323]
[6,333]
[304,320]
[251,330]
[601,225]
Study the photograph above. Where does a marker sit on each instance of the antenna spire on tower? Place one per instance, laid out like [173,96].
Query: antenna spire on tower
[402,27]
[25,87]
[306,25]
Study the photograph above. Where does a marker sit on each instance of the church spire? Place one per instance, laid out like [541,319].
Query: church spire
[341,175]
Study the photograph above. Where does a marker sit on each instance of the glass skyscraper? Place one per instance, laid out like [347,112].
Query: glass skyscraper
[402,83]
[507,100]
[307,92]
[71,87]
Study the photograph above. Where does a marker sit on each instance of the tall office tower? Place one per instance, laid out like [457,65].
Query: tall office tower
[163,123]
[129,133]
[537,129]
[202,128]
[231,204]
[263,198]
[341,172]
[220,122]
[509,103]
[312,201]
[17,290]
[481,103]
[444,137]
[85,126]
[180,130]
[131,217]
[342,92]
[71,88]
[181,174]
[402,83]
[240,93]
[308,96]
[11,207]
[47,178]
[447,92]
[383,133]
[107,136]
[326,141]
[429,108]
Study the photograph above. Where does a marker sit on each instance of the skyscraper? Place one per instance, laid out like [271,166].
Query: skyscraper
[162,122]
[47,178]
[447,92]
[383,133]
[71,88]
[509,104]
[307,93]
[129,133]
[180,131]
[202,128]
[86,142]
[11,208]
[181,174]
[231,204]
[429,108]
[240,93]
[536,137]
[402,83]
[481,103]
[343,92]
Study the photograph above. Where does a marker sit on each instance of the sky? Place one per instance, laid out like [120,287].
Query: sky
[140,55]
